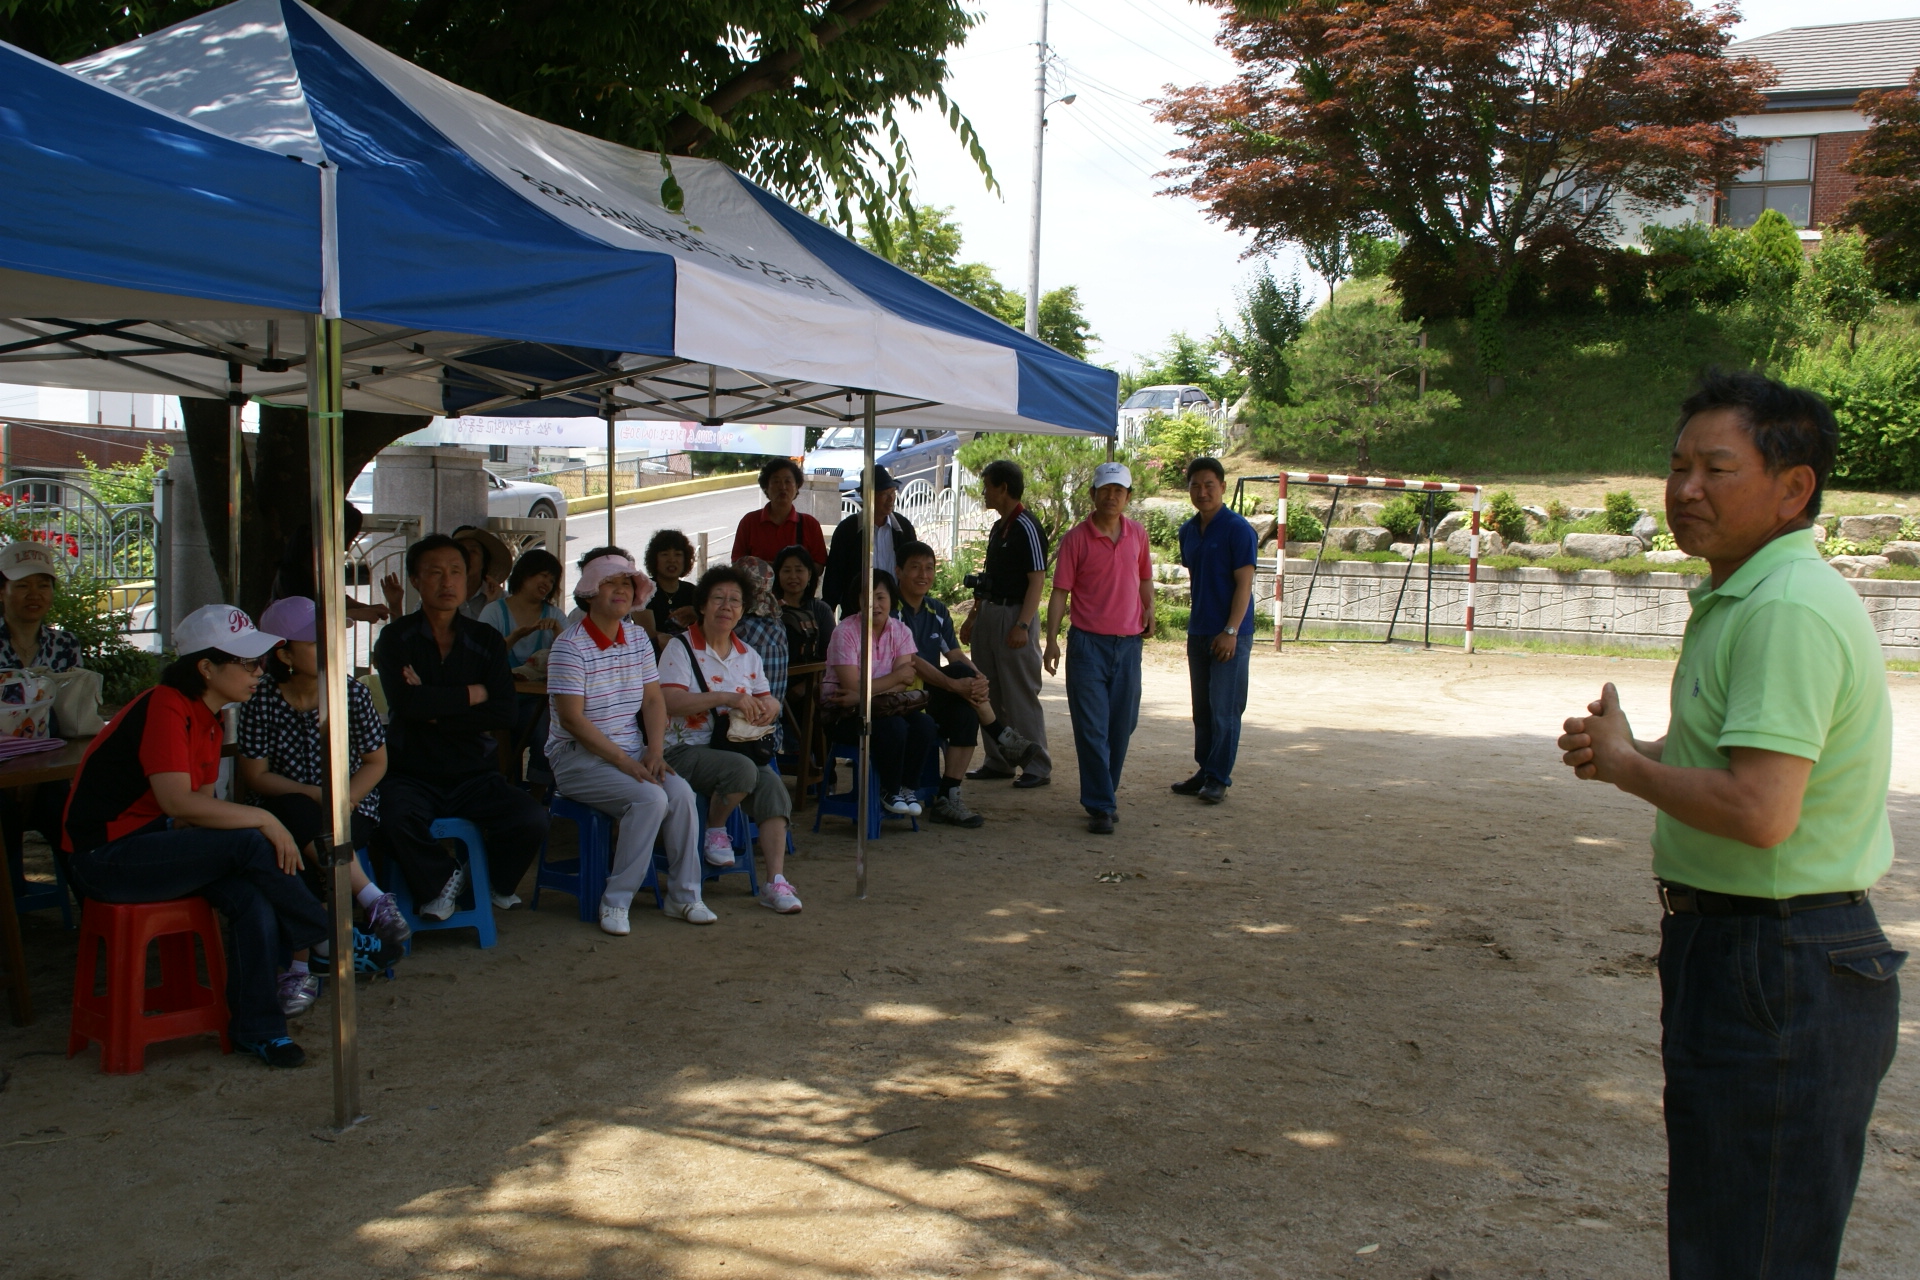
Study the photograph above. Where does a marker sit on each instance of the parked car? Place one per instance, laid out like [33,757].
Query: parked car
[513,499]
[906,453]
[1168,398]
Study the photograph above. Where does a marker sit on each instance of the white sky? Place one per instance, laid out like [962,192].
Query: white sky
[1146,264]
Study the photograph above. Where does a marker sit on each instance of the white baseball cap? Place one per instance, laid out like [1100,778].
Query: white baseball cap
[24,559]
[222,627]
[1112,473]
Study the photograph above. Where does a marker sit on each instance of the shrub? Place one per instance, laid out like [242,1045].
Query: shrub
[1162,529]
[948,575]
[1558,512]
[1302,524]
[1371,257]
[1693,264]
[1175,440]
[1506,517]
[79,608]
[1875,395]
[1402,517]
[1355,376]
[1621,512]
[124,483]
[1838,288]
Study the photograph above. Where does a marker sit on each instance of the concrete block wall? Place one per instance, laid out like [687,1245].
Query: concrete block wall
[1537,604]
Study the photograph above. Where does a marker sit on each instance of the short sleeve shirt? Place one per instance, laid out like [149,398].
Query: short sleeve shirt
[1783,657]
[1016,547]
[289,740]
[932,629]
[843,650]
[1104,575]
[611,675]
[160,731]
[500,618]
[59,650]
[1212,555]
[736,672]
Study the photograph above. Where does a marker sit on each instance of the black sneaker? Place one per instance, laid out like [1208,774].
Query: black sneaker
[1027,782]
[984,774]
[1191,787]
[278,1052]
[1100,824]
[1212,792]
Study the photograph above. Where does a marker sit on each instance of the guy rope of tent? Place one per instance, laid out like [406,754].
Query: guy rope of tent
[441,254]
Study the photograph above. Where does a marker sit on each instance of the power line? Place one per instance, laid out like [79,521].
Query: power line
[1187,71]
[1132,134]
[1184,33]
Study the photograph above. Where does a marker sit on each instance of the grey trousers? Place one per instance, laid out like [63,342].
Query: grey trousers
[642,809]
[1013,678]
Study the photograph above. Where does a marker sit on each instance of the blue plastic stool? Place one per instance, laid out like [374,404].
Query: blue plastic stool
[745,836]
[31,895]
[845,804]
[480,915]
[585,874]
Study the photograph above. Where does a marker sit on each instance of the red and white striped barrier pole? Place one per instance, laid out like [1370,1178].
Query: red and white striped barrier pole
[1280,567]
[1473,566]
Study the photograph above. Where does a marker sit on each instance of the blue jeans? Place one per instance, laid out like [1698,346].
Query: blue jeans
[1103,696]
[1219,700]
[1775,1034]
[270,914]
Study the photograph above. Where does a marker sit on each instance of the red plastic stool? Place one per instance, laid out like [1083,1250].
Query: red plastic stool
[132,1015]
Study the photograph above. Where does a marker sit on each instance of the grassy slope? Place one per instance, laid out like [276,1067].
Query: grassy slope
[1590,407]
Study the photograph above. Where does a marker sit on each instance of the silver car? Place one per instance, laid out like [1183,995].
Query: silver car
[514,499]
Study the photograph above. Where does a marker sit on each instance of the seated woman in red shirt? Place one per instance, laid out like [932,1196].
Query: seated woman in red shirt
[773,528]
[142,823]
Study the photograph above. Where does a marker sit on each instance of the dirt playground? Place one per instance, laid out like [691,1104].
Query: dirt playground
[1389,1011]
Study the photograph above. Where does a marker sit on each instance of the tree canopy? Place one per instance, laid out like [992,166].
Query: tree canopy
[1886,204]
[1466,128]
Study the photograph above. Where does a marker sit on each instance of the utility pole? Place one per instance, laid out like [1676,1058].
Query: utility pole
[1039,150]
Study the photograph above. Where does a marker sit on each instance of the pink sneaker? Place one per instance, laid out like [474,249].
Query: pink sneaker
[718,848]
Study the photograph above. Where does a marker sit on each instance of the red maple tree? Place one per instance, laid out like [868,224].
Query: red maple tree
[1886,204]
[1468,128]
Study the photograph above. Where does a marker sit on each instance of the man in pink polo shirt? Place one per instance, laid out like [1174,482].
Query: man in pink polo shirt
[1105,567]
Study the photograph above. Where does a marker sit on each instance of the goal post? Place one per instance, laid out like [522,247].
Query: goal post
[1286,479]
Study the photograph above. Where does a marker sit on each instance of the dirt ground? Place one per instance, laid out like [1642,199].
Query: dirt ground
[1389,1011]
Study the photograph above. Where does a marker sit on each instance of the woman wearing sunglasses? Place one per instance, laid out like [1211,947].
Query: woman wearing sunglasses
[143,824]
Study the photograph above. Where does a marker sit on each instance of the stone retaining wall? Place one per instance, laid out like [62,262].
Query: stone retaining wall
[1537,604]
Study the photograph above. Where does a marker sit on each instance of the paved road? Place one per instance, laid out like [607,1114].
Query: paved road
[716,514]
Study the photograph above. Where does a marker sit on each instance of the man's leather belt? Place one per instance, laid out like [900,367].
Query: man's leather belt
[1012,602]
[1680,899]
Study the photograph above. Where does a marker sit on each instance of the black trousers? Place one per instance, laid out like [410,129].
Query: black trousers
[512,823]
[953,715]
[270,914]
[302,817]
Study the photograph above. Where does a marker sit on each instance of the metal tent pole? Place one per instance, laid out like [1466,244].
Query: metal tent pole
[328,497]
[864,777]
[607,411]
[236,462]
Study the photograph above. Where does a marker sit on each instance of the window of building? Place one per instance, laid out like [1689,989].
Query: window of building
[1782,180]
[498,452]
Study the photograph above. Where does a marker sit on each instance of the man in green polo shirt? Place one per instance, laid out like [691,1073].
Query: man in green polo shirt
[1780,1008]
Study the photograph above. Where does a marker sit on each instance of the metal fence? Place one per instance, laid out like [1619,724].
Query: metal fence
[932,512]
[116,544]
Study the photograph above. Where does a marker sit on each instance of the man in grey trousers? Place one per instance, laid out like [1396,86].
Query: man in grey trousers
[1003,627]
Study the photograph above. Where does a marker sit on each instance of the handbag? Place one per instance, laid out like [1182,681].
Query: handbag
[76,702]
[26,704]
[757,747]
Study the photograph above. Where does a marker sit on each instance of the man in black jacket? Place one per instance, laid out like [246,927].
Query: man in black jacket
[843,557]
[448,686]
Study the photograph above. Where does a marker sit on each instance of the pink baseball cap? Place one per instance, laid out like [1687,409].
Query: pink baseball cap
[290,618]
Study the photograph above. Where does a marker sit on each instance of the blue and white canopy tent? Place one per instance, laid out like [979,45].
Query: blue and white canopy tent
[260,193]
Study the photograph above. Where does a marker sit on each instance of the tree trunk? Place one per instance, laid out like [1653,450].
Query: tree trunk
[279,470]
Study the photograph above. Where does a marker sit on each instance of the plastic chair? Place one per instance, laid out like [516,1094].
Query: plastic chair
[585,874]
[132,1015]
[845,804]
[479,916]
[745,834]
[32,895]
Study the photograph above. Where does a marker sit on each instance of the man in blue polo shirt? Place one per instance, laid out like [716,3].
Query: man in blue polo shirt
[1779,1006]
[1217,546]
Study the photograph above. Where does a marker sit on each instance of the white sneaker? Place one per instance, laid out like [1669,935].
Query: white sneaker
[718,849]
[505,901]
[448,899]
[613,920]
[900,805]
[695,912]
[913,803]
[779,896]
